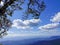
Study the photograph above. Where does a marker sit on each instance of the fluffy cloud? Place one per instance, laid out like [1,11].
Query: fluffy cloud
[34,21]
[20,24]
[55,23]
[49,26]
[56,18]
[32,34]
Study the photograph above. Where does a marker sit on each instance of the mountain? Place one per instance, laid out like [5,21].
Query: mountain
[49,42]
[55,40]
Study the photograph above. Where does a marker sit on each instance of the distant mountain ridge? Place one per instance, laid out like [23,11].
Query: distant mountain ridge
[55,40]
[48,42]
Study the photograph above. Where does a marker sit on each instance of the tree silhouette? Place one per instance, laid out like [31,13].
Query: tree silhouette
[7,7]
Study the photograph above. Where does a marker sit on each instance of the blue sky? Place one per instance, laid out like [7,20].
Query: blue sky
[48,23]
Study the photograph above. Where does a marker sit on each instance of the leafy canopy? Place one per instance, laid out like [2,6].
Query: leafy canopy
[7,7]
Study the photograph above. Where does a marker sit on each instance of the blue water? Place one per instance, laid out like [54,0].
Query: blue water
[34,41]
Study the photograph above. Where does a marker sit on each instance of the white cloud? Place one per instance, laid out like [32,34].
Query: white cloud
[31,21]
[49,26]
[55,23]
[34,34]
[56,18]
[20,24]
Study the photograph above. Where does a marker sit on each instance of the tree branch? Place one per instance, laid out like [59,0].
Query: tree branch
[3,8]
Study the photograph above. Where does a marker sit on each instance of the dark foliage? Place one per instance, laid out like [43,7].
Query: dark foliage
[35,7]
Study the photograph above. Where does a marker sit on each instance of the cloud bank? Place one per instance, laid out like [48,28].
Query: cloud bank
[44,30]
[49,26]
[26,24]
[55,23]
[56,18]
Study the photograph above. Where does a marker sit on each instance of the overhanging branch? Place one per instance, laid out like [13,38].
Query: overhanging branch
[3,8]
